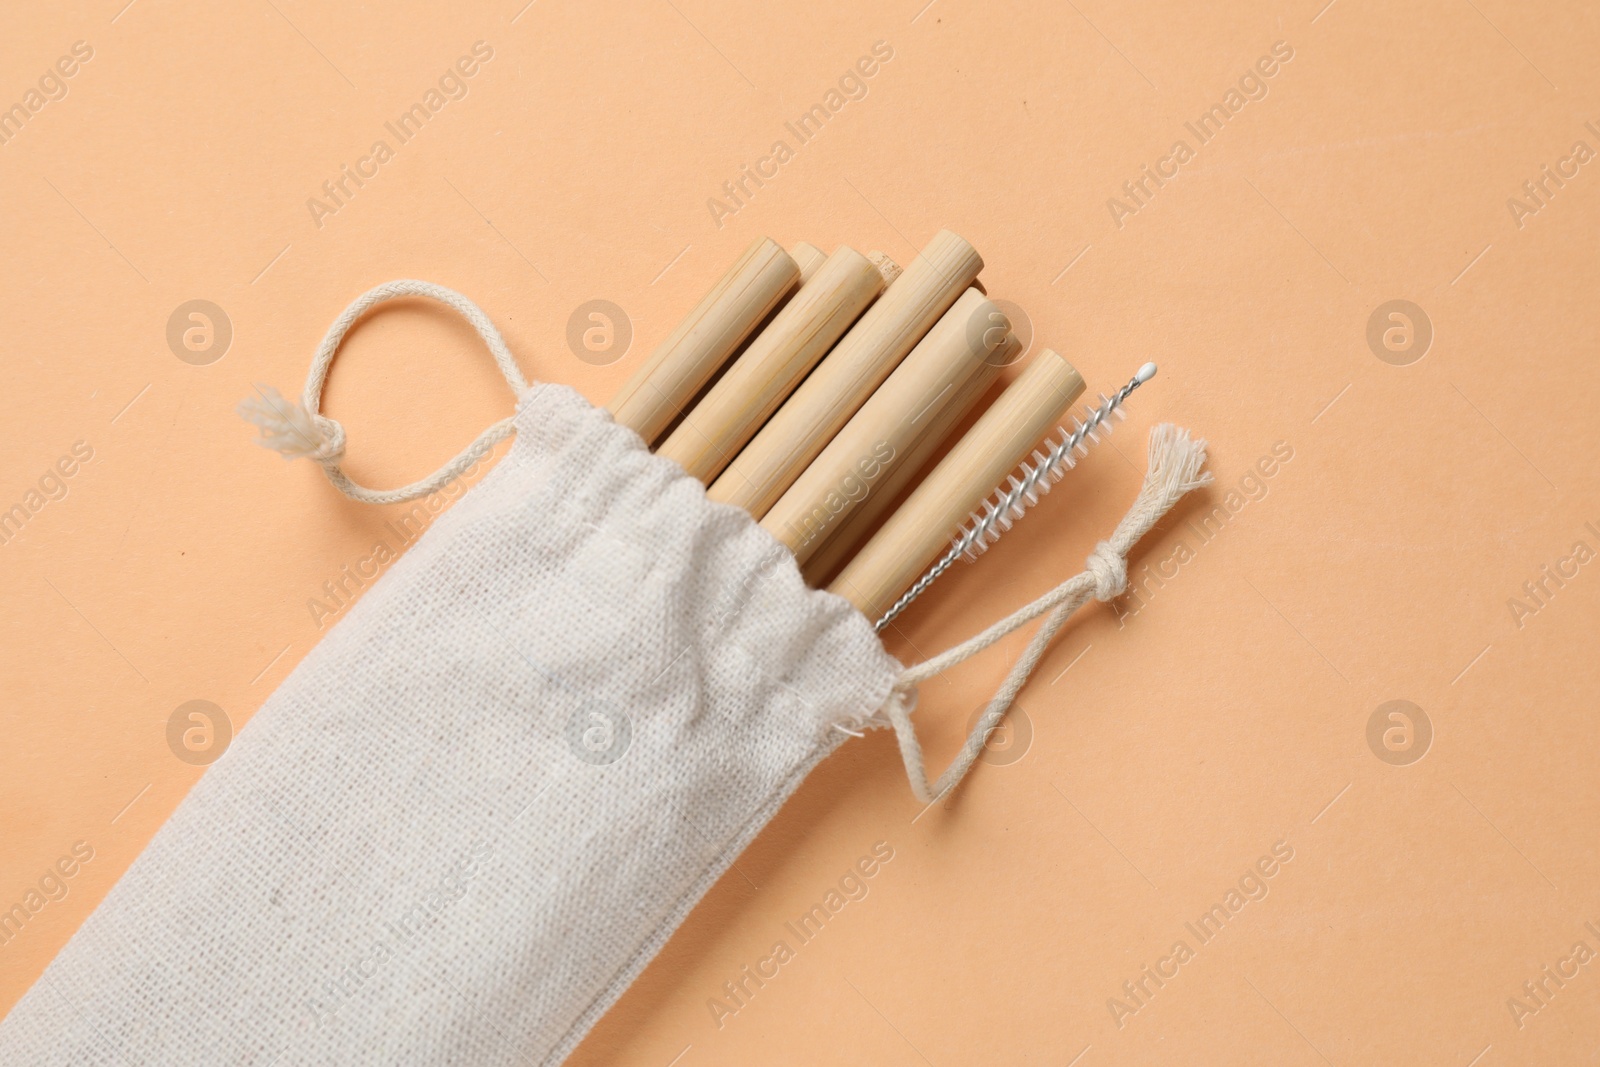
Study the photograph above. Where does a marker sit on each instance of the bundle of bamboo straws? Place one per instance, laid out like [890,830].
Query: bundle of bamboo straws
[854,374]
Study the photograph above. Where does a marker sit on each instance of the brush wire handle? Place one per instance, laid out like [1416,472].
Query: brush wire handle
[1032,480]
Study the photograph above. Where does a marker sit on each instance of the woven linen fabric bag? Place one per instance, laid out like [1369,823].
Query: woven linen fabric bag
[473,813]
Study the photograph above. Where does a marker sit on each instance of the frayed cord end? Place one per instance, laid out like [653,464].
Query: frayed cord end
[288,428]
[1175,462]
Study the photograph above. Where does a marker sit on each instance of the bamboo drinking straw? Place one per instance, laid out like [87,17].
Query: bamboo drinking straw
[808,257]
[848,375]
[888,426]
[702,343]
[924,524]
[774,363]
[849,534]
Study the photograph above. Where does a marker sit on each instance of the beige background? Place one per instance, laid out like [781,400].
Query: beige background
[1175,738]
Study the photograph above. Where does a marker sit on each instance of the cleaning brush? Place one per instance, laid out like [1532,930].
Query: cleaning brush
[1022,490]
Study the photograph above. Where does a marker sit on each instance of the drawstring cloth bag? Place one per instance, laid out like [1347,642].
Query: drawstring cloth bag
[467,820]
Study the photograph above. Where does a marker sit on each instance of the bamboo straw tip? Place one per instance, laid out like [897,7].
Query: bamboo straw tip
[808,257]
[886,266]
[951,243]
[1051,367]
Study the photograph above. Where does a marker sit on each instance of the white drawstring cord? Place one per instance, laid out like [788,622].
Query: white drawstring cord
[1175,469]
[302,430]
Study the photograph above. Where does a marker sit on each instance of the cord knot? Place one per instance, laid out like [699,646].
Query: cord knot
[331,434]
[1109,570]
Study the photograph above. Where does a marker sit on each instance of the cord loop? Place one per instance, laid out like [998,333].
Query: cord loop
[302,430]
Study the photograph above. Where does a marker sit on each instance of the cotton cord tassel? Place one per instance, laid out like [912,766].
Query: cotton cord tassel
[301,430]
[1175,462]
[290,429]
